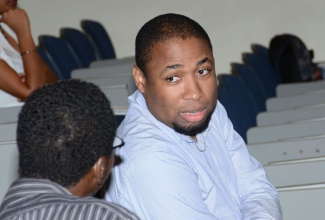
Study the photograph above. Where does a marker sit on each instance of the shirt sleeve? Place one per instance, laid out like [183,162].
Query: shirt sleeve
[168,188]
[259,199]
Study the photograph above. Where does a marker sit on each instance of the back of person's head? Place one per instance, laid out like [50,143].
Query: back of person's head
[63,129]
[162,28]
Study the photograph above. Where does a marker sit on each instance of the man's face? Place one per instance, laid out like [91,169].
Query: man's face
[180,86]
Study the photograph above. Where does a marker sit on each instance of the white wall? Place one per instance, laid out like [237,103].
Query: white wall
[232,24]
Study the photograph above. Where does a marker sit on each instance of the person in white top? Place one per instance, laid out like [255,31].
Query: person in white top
[22,70]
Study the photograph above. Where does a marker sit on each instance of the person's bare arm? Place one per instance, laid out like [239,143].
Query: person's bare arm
[11,83]
[37,73]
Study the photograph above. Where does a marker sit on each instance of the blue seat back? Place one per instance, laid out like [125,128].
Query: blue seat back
[253,83]
[264,70]
[119,119]
[99,38]
[59,54]
[232,108]
[46,59]
[264,52]
[260,50]
[80,45]
[239,103]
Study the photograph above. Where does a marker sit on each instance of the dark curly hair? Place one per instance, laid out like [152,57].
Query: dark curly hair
[162,28]
[63,128]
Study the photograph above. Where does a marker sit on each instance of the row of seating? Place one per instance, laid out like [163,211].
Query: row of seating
[265,119]
[283,127]
[88,55]
[75,49]
[243,89]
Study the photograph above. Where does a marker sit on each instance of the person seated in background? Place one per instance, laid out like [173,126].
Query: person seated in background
[65,137]
[22,70]
[182,158]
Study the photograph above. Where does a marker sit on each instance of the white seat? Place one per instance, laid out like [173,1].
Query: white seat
[296,172]
[279,151]
[288,131]
[115,80]
[113,62]
[119,110]
[101,72]
[117,94]
[9,165]
[8,132]
[108,75]
[290,89]
[304,202]
[289,115]
[108,80]
[289,102]
[9,114]
[301,187]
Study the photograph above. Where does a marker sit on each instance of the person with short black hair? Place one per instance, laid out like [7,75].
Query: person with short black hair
[65,137]
[182,158]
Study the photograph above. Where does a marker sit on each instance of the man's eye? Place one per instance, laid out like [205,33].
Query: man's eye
[172,79]
[204,72]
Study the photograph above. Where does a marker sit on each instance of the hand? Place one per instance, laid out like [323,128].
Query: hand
[17,20]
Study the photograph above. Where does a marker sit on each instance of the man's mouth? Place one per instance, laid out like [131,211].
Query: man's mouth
[194,116]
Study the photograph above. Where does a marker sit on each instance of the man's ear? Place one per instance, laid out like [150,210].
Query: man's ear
[139,78]
[102,169]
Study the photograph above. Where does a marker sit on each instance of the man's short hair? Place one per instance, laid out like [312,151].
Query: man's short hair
[161,28]
[63,129]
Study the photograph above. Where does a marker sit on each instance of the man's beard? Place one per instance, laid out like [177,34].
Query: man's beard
[195,129]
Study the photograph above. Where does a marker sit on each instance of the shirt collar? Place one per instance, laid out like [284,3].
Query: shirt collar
[43,186]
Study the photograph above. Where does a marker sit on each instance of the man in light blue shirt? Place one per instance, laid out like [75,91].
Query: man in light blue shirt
[182,158]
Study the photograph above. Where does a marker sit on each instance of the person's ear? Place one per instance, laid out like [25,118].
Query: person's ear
[139,78]
[102,169]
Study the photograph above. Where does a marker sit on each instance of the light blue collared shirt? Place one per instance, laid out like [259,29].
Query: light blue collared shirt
[166,175]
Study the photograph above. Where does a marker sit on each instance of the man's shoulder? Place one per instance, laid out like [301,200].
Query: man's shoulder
[141,127]
[94,207]
[109,208]
[65,206]
[146,141]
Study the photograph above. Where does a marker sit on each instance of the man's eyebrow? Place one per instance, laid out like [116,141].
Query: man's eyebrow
[203,61]
[174,66]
